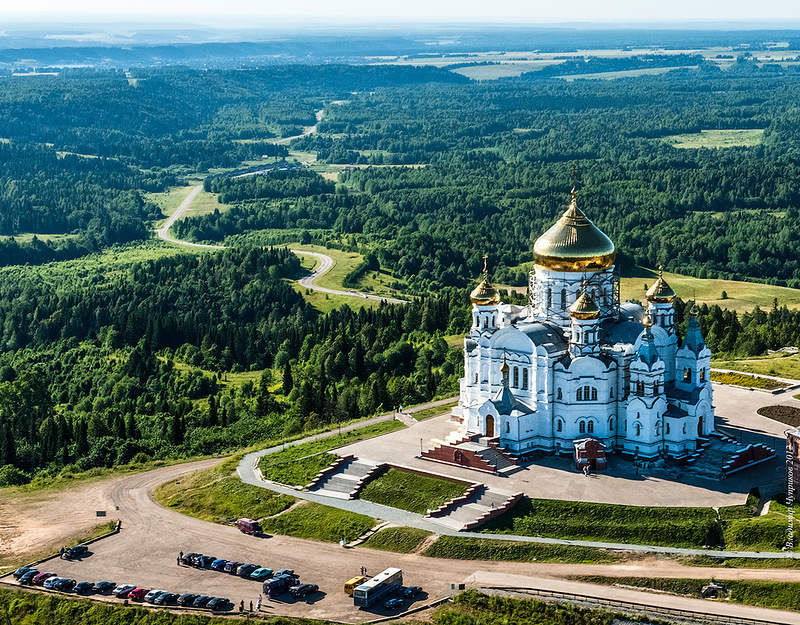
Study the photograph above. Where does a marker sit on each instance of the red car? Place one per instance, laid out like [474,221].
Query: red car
[137,594]
[39,579]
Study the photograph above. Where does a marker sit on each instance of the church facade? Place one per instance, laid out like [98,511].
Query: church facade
[575,363]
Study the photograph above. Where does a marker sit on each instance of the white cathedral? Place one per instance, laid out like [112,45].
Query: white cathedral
[576,364]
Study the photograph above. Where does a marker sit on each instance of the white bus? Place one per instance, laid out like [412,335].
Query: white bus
[379,586]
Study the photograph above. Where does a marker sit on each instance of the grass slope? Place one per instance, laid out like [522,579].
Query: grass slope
[397,539]
[467,548]
[314,521]
[780,365]
[297,472]
[215,495]
[411,491]
[679,527]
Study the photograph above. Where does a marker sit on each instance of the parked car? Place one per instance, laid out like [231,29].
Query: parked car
[280,572]
[233,566]
[122,590]
[187,598]
[201,601]
[204,562]
[188,558]
[83,588]
[165,598]
[138,594]
[27,576]
[393,604]
[152,595]
[412,591]
[78,551]
[303,589]
[64,585]
[41,577]
[246,569]
[278,584]
[249,526]
[261,574]
[104,587]
[219,603]
[21,571]
[219,564]
[50,581]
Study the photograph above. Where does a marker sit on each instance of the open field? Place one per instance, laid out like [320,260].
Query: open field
[742,296]
[628,73]
[746,137]
[780,365]
[27,237]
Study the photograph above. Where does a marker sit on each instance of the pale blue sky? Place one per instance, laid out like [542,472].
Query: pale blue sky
[262,12]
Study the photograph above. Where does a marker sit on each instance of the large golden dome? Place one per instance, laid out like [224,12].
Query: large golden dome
[660,292]
[574,243]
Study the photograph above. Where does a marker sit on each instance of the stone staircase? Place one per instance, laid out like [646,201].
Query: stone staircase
[484,503]
[479,454]
[348,480]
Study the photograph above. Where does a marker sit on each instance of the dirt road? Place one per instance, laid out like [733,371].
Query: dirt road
[163,231]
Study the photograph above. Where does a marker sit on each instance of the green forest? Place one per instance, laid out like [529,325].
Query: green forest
[418,169]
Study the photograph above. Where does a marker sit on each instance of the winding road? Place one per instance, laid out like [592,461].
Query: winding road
[325,265]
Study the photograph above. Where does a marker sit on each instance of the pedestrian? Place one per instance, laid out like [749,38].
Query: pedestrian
[241,606]
[179,560]
[251,605]
[258,603]
[61,553]
[181,555]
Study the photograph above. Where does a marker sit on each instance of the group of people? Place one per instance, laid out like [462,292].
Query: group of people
[258,604]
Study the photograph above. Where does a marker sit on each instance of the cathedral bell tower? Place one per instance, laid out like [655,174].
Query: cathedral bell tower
[485,305]
[693,361]
[660,307]
[585,324]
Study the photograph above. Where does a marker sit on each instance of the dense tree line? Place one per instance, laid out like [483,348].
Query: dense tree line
[134,365]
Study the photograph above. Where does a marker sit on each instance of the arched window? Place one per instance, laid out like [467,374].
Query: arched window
[493,323]
[508,427]
[684,428]
[525,379]
[563,298]
[611,424]
[558,394]
[549,298]
[594,394]
[590,427]
[666,428]
[582,427]
[703,374]
[638,429]
[687,374]
[579,394]
[516,377]
[559,426]
[476,377]
[611,394]
[486,322]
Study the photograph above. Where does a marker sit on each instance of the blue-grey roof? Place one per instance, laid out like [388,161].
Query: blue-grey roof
[691,397]
[505,402]
[623,332]
[629,309]
[647,352]
[694,336]
[547,334]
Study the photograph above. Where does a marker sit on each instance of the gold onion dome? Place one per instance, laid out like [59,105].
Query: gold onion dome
[660,292]
[485,294]
[504,368]
[584,308]
[574,243]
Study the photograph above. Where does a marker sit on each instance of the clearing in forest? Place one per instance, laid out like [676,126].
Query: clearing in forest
[731,138]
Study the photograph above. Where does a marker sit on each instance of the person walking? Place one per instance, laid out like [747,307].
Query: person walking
[241,606]
[258,603]
[251,605]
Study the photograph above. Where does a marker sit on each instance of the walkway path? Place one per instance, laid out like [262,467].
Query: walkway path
[247,472]
[163,231]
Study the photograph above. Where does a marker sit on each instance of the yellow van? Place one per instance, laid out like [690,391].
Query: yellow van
[351,584]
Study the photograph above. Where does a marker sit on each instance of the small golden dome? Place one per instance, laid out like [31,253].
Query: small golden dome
[647,322]
[504,368]
[660,292]
[574,243]
[584,308]
[485,294]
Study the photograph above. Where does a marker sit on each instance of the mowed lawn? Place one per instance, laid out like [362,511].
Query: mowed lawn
[411,491]
[780,365]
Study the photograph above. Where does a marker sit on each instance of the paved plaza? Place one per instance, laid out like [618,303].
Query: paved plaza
[622,483]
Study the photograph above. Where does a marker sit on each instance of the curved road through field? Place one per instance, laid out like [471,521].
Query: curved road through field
[326,262]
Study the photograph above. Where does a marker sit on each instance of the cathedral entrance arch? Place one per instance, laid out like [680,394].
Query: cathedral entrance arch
[489,426]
